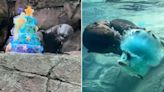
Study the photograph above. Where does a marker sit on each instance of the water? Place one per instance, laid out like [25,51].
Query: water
[149,15]
[101,73]
[93,1]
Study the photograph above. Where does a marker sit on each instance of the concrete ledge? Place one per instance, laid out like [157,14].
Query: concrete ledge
[40,73]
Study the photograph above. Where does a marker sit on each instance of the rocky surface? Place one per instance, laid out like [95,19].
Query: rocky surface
[3,23]
[43,3]
[105,75]
[51,12]
[73,42]
[40,73]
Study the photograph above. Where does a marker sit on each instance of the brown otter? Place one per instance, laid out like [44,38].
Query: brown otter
[53,38]
[98,37]
[121,25]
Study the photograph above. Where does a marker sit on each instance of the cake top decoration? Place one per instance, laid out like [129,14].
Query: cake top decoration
[29,11]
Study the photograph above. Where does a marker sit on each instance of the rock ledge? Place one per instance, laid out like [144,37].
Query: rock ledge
[40,73]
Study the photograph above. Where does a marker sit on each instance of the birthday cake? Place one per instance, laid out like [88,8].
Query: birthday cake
[24,38]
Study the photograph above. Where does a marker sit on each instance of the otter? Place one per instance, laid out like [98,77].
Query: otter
[99,37]
[53,38]
[122,25]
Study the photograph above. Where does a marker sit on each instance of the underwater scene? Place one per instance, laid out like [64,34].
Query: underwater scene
[123,45]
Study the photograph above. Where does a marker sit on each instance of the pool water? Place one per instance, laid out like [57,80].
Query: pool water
[100,71]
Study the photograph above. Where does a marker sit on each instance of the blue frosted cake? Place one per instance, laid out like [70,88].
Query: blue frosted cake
[24,37]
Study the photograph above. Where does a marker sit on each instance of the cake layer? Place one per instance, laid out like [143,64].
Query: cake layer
[26,48]
[25,38]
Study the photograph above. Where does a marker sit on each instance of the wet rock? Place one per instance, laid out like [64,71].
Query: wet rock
[94,86]
[126,82]
[116,79]
[109,77]
[87,65]
[94,74]
[153,81]
[112,80]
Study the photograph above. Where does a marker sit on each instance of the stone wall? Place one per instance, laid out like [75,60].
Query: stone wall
[40,73]
[49,12]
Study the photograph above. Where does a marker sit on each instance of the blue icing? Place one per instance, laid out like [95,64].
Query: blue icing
[141,50]
[31,20]
[23,44]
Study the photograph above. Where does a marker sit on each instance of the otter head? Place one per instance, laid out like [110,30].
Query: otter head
[63,32]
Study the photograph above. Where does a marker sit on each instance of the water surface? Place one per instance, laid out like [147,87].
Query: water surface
[101,72]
